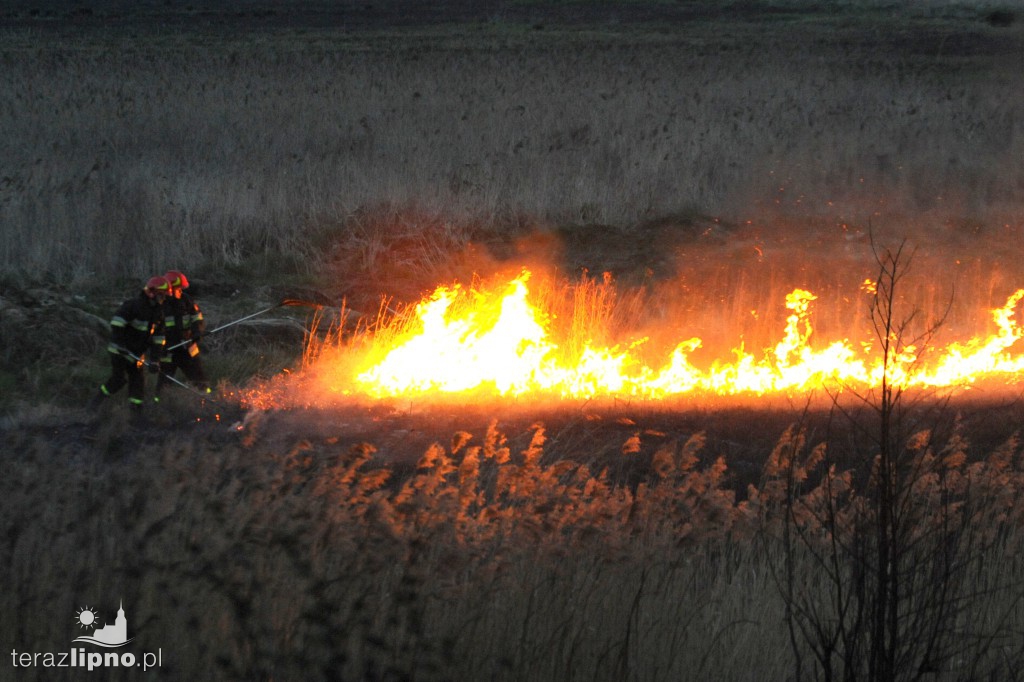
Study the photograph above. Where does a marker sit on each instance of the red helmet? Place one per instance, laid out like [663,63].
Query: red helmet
[177,279]
[157,285]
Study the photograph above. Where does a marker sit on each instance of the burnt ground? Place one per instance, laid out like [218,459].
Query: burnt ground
[617,438]
[621,438]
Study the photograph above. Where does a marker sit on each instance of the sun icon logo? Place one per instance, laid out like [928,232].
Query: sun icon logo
[87,617]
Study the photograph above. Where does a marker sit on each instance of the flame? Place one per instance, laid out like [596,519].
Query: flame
[502,343]
[965,363]
[496,341]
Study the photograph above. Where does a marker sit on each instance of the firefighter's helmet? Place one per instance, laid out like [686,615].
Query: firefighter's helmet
[177,279]
[157,285]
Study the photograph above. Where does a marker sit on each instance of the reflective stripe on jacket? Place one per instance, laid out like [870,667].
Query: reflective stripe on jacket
[137,326]
[183,319]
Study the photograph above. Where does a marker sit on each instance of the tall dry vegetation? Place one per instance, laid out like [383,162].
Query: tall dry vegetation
[885,551]
[120,150]
[901,547]
[258,554]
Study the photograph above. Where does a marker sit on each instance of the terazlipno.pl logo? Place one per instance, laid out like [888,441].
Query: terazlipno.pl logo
[106,635]
[113,635]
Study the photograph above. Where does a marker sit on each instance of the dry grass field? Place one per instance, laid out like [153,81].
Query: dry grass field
[709,156]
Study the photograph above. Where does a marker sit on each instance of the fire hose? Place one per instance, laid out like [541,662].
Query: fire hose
[283,303]
[141,362]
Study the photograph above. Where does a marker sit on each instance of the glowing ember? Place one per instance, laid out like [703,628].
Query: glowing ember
[497,342]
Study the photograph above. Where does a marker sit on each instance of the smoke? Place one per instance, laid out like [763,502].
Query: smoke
[725,282]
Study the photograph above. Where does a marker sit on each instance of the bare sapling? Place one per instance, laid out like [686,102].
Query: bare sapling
[877,568]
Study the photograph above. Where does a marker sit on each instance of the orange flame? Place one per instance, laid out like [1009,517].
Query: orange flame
[498,342]
[501,343]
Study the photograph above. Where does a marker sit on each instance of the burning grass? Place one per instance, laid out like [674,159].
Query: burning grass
[545,339]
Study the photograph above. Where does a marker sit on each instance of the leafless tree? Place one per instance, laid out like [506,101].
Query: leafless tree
[877,569]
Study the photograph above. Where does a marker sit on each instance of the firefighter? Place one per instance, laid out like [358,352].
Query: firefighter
[136,342]
[185,325]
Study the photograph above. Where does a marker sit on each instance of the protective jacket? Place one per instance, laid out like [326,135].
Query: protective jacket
[138,327]
[182,319]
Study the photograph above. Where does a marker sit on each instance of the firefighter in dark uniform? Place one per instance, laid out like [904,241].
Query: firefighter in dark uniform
[136,342]
[184,323]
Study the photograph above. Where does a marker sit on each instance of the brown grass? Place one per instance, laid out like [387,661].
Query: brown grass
[259,554]
[123,149]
